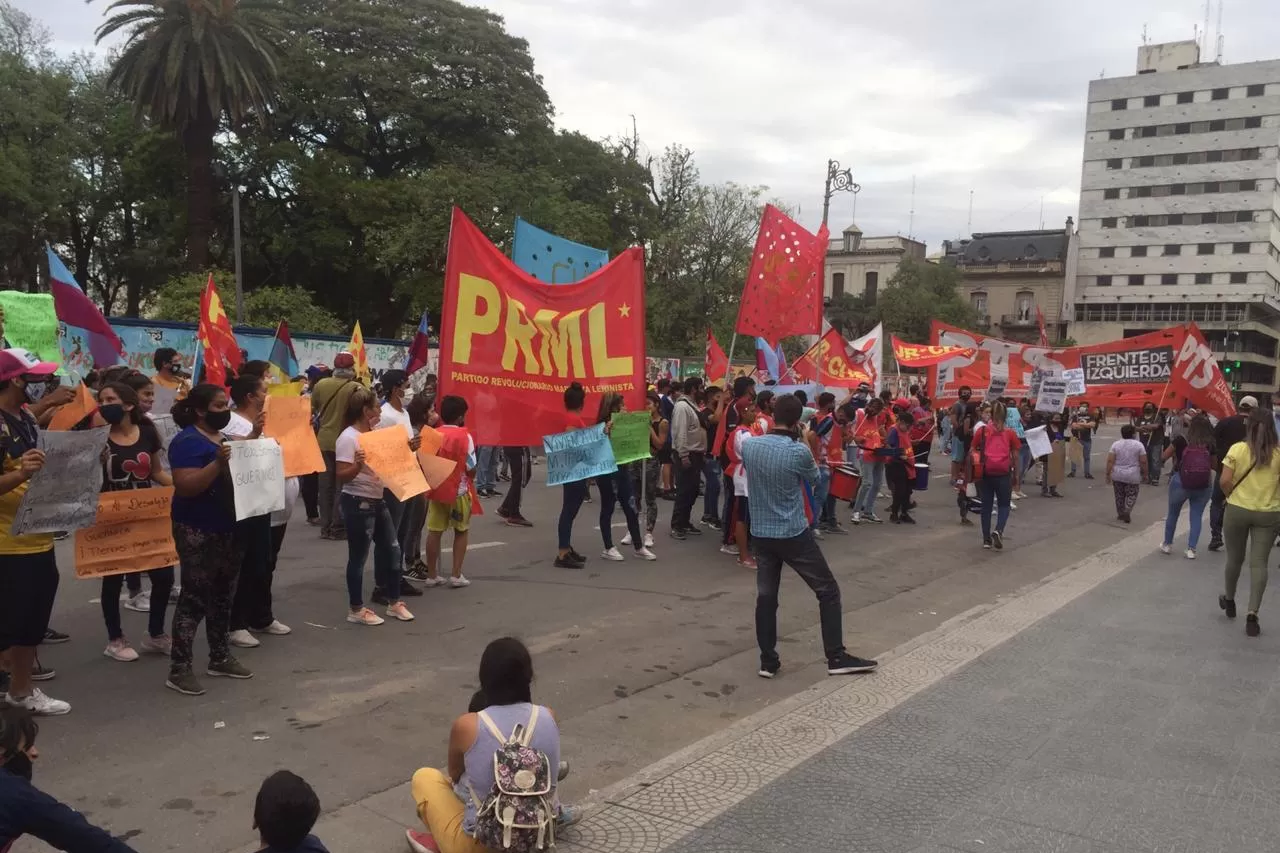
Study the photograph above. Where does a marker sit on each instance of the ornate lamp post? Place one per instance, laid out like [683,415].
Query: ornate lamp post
[838,180]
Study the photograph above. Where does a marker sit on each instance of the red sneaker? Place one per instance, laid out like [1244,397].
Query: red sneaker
[421,842]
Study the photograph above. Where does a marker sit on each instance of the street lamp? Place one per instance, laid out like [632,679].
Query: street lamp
[838,180]
[235,216]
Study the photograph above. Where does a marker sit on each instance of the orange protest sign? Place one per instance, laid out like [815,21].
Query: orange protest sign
[132,533]
[72,413]
[432,441]
[289,423]
[435,468]
[387,453]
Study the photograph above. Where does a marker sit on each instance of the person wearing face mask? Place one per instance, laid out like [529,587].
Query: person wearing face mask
[204,531]
[1082,427]
[168,364]
[29,576]
[132,461]
[26,810]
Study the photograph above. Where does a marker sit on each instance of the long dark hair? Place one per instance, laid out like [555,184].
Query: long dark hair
[1200,431]
[187,410]
[610,402]
[129,397]
[18,731]
[506,672]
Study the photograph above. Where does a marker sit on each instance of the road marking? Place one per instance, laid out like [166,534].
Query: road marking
[475,547]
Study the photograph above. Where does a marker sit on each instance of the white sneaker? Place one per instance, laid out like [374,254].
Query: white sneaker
[38,704]
[1012,505]
[626,540]
[399,611]
[730,549]
[436,581]
[857,518]
[140,603]
[459,582]
[364,616]
[120,650]
[817,534]
[242,639]
[276,629]
[612,554]
[648,540]
[646,554]
[1191,553]
[1166,549]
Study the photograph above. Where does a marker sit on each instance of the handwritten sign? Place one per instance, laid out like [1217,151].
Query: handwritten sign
[387,453]
[31,323]
[996,389]
[165,398]
[432,441]
[63,495]
[578,455]
[288,421]
[133,533]
[630,437]
[257,477]
[74,412]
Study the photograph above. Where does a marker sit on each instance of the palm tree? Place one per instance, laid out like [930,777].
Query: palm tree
[184,64]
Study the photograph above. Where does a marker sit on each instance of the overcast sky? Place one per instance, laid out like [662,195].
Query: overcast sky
[986,95]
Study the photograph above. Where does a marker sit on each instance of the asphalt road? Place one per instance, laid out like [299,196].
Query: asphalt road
[637,659]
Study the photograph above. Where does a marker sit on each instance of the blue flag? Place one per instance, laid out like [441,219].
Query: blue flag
[553,259]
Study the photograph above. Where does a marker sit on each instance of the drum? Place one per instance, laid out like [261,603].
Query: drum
[922,477]
[844,483]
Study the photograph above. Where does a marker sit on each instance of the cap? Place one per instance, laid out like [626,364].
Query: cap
[394,378]
[343,359]
[1249,402]
[15,362]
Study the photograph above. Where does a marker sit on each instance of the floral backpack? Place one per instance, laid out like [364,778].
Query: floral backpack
[518,814]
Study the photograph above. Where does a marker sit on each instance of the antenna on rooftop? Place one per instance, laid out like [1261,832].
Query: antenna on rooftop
[1145,40]
[970,225]
[911,217]
[1221,38]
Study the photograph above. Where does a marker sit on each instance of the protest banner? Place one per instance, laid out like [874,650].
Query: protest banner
[431,441]
[510,344]
[629,436]
[1075,381]
[1038,442]
[1053,394]
[30,322]
[387,453]
[63,495]
[578,454]
[165,398]
[288,421]
[257,477]
[1197,377]
[133,532]
[436,469]
[835,361]
[74,412]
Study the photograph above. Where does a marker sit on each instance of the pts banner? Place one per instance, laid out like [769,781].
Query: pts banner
[510,344]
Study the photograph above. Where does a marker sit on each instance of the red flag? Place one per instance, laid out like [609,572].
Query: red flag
[924,355]
[835,361]
[783,294]
[717,363]
[1044,339]
[214,333]
[1196,376]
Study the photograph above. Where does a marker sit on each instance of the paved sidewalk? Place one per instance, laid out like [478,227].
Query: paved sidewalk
[1113,708]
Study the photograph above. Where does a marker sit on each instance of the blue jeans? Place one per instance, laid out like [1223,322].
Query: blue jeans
[1199,499]
[711,488]
[820,493]
[1087,447]
[872,480]
[368,523]
[1155,450]
[1026,460]
[995,490]
[574,494]
[487,467]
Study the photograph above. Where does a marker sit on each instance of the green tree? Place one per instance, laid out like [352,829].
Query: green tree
[265,307]
[185,65]
[852,315]
[918,293]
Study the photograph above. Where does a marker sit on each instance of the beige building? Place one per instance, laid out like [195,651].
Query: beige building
[859,265]
[1008,275]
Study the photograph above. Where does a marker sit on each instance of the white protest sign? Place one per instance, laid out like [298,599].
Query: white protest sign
[165,398]
[257,476]
[996,389]
[1053,394]
[1038,442]
[1075,381]
[63,495]
[166,427]
[1037,376]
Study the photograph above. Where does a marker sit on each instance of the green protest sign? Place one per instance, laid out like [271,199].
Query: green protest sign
[30,323]
[630,436]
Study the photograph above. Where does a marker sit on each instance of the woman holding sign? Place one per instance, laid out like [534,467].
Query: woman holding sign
[616,488]
[132,461]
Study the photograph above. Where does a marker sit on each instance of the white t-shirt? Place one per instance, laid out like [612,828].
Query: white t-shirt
[365,484]
[391,416]
[740,437]
[239,426]
[464,482]
[291,489]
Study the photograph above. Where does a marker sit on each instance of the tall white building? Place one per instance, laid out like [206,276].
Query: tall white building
[1179,208]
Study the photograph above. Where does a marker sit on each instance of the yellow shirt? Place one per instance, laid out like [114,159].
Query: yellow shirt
[179,385]
[1259,489]
[13,444]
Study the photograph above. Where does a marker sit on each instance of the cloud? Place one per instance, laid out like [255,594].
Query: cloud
[987,96]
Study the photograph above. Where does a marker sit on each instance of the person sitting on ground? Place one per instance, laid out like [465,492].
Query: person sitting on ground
[284,813]
[26,810]
[448,802]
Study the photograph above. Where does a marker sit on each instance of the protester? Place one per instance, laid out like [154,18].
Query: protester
[329,400]
[519,473]
[645,475]
[615,488]
[1150,427]
[448,802]
[1126,469]
[778,466]
[132,462]
[29,578]
[709,416]
[26,810]
[828,427]
[1191,480]
[869,435]
[284,812]
[137,600]
[395,415]
[420,415]
[1251,481]
[451,504]
[572,494]
[1229,431]
[1054,431]
[960,436]
[738,510]
[764,412]
[168,375]
[666,406]
[204,521]
[996,448]
[900,468]
[487,471]
[689,450]
[1082,427]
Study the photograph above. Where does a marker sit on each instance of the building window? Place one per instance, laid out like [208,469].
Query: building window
[1250,153]
[1169,278]
[1172,249]
[1139,221]
[872,285]
[1186,97]
[1256,91]
[1109,222]
[1151,101]
[837,284]
[1118,133]
[979,302]
[1239,278]
[1204,278]
[1137,280]
[1247,186]
[1107,252]
[1174,219]
[1217,125]
[1111,195]
[1026,303]
[1148,131]
[1146,162]
[1253,122]
[1140,192]
[1115,164]
[1221,94]
[1120,104]
[1138,252]
[1182,128]
[1204,249]
[1241,248]
[1104,281]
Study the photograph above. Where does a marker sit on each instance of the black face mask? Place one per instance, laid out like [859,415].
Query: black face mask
[112,413]
[217,420]
[20,765]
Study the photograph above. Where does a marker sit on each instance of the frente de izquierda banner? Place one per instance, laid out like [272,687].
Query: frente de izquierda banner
[510,345]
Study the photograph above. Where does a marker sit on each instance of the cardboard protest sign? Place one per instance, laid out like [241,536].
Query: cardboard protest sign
[288,421]
[432,441]
[387,453]
[165,398]
[285,389]
[63,495]
[630,437]
[31,323]
[1057,464]
[133,533]
[257,477]
[74,412]
[436,469]
[578,455]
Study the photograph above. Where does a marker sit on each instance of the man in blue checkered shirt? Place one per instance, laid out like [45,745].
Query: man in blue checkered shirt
[778,466]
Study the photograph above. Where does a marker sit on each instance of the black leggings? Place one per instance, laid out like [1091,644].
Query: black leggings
[161,584]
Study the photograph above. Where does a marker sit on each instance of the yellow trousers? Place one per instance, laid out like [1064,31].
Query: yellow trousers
[441,810]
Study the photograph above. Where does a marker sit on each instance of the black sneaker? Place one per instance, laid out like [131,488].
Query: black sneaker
[408,590]
[836,529]
[40,672]
[849,665]
[713,523]
[1228,606]
[380,597]
[906,519]
[185,683]
[997,540]
[693,530]
[568,562]
[986,544]
[417,573]
[503,512]
[769,669]
[574,553]
[1251,626]
[677,533]
[1215,544]
[229,668]
[52,637]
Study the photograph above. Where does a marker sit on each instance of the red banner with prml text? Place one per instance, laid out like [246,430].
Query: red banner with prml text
[510,345]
